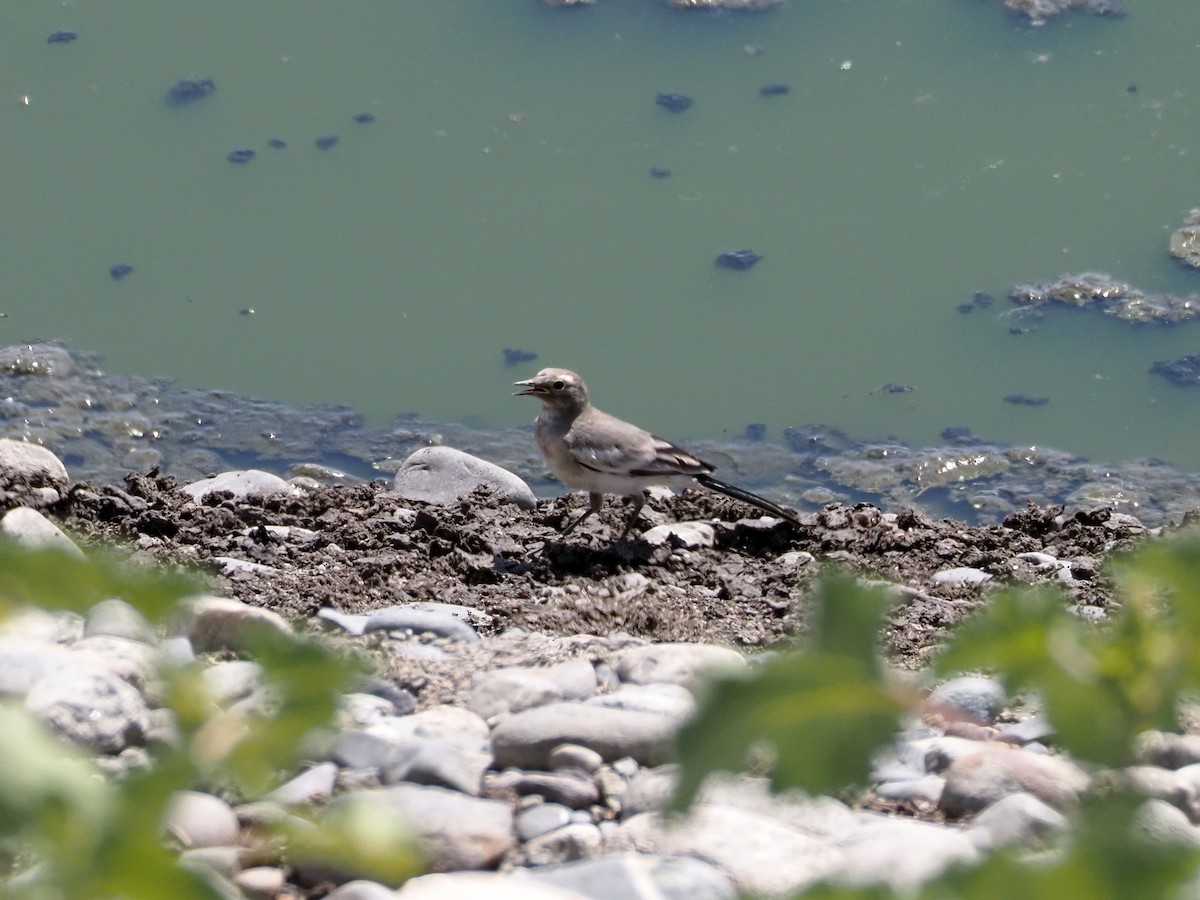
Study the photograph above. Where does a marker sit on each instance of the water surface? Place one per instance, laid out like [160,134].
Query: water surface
[502,197]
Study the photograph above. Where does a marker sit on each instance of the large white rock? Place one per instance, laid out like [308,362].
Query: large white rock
[31,473]
[240,484]
[443,475]
[29,528]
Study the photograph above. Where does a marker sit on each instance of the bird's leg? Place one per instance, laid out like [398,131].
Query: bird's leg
[638,503]
[595,501]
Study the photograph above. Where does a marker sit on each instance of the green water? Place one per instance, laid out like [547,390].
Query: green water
[502,198]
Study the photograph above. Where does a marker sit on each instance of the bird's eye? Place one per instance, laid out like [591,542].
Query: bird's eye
[559,385]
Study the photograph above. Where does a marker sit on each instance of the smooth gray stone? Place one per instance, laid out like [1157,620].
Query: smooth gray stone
[671,700]
[928,788]
[196,819]
[223,623]
[1159,822]
[31,473]
[92,707]
[961,575]
[28,528]
[240,484]
[899,853]
[455,831]
[525,739]
[578,840]
[443,475]
[1171,751]
[443,619]
[648,790]
[132,661]
[422,761]
[1029,731]
[413,759]
[684,878]
[969,698]
[1014,821]
[361,890]
[572,756]
[177,651]
[572,789]
[24,662]
[676,663]
[977,781]
[688,535]
[351,623]
[311,786]
[360,750]
[116,618]
[540,819]
[232,680]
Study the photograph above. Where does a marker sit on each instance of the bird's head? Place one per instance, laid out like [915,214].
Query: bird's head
[556,388]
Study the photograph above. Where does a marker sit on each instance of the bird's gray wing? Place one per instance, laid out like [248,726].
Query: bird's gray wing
[607,444]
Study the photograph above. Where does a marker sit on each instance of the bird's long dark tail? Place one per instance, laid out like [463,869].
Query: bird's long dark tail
[737,493]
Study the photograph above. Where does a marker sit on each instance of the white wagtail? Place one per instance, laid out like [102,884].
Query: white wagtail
[592,451]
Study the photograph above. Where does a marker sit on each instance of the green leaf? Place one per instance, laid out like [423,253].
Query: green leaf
[54,580]
[816,716]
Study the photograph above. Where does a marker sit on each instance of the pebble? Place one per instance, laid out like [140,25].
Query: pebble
[961,575]
[92,707]
[116,618]
[196,819]
[526,739]
[30,529]
[688,535]
[676,663]
[455,831]
[443,475]
[1018,820]
[977,781]
[969,698]
[31,475]
[541,818]
[466,885]
[240,484]
[222,623]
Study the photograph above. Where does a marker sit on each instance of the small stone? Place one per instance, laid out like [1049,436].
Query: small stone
[442,619]
[443,475]
[454,831]
[195,819]
[979,780]
[116,618]
[222,623]
[91,707]
[526,739]
[312,786]
[261,882]
[969,698]
[1018,820]
[241,484]
[688,535]
[573,756]
[30,529]
[961,575]
[676,663]
[30,474]
[541,818]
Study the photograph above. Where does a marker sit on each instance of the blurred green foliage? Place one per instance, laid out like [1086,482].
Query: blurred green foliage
[68,831]
[818,714]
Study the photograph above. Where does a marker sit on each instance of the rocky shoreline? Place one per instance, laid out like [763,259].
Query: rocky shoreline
[104,426]
[527,690]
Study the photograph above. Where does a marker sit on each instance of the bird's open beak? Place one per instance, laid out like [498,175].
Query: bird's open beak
[531,389]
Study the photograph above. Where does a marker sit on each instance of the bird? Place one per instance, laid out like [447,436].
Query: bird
[590,450]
